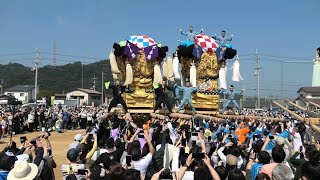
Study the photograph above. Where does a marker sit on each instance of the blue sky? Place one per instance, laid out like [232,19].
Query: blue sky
[288,29]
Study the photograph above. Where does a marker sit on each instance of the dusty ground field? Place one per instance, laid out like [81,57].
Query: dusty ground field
[59,142]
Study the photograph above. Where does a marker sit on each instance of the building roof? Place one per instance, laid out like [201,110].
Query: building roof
[310,89]
[305,100]
[61,95]
[20,88]
[89,91]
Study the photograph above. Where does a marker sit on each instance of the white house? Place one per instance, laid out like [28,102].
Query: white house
[23,93]
[85,96]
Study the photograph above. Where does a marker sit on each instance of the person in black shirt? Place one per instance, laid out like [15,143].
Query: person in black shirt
[162,96]
[117,90]
[110,155]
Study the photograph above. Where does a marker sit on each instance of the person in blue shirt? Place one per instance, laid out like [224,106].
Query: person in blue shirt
[65,117]
[191,35]
[231,95]
[187,91]
[223,40]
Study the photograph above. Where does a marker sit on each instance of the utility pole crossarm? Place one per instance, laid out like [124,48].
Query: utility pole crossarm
[94,81]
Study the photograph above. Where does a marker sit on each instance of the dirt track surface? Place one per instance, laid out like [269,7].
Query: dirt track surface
[59,142]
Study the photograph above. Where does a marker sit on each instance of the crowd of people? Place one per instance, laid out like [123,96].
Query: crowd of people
[138,146]
[30,119]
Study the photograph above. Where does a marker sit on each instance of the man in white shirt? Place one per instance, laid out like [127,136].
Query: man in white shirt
[297,142]
[223,157]
[30,121]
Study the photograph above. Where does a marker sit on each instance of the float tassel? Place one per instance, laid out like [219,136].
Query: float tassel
[157,78]
[170,67]
[176,71]
[113,63]
[129,75]
[223,77]
[193,75]
[236,76]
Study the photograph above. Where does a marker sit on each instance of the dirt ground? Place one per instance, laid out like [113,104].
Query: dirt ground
[59,142]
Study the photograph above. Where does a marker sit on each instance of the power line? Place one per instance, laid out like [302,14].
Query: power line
[271,90]
[19,59]
[17,54]
[73,56]
[61,60]
[284,57]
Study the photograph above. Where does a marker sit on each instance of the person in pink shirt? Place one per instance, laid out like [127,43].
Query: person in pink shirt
[278,156]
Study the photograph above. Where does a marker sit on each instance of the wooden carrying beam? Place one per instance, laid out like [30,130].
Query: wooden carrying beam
[297,106]
[206,117]
[173,115]
[247,117]
[317,105]
[311,121]
[290,112]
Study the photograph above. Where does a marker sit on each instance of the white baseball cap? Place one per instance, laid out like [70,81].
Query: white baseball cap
[78,137]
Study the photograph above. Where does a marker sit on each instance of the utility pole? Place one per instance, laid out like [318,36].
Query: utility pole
[257,73]
[102,88]
[281,80]
[54,54]
[1,86]
[36,78]
[94,81]
[81,75]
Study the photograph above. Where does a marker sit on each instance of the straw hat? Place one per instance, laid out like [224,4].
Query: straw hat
[23,171]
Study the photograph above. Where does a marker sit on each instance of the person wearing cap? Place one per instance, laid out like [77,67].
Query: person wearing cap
[73,166]
[231,95]
[77,139]
[191,35]
[187,92]
[223,40]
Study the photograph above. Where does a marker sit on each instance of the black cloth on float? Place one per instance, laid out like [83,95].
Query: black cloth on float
[230,53]
[185,51]
[179,50]
[162,51]
[118,51]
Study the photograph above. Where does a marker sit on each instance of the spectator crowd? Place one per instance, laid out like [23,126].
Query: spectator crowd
[138,146]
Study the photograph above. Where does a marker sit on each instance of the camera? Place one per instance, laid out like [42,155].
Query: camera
[166,174]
